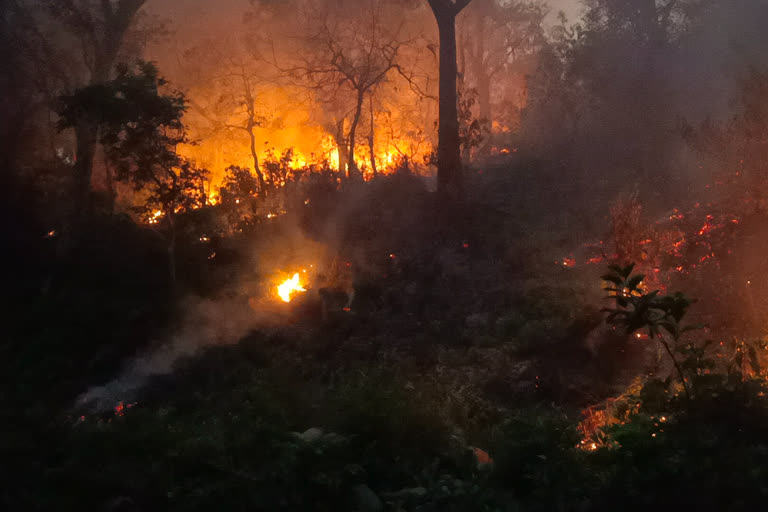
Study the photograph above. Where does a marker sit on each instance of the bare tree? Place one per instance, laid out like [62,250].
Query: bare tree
[493,36]
[372,136]
[233,93]
[407,141]
[351,58]
[450,181]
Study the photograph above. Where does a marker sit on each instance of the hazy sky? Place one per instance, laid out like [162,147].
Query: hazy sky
[570,7]
[196,19]
[199,13]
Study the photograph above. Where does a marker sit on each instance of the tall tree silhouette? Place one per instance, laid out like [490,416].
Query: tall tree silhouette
[101,28]
[450,180]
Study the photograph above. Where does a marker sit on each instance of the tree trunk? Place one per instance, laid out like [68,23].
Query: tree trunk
[371,140]
[250,105]
[255,156]
[117,20]
[86,133]
[87,130]
[465,147]
[649,19]
[484,94]
[484,103]
[171,248]
[341,147]
[450,182]
[111,192]
[481,71]
[352,169]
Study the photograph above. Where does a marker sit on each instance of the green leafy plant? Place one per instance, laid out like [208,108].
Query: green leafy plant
[636,309]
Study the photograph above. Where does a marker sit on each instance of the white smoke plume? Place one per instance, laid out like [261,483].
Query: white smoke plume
[206,323]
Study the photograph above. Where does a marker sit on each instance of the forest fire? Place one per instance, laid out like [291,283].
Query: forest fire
[289,287]
[285,163]
[681,242]
[532,230]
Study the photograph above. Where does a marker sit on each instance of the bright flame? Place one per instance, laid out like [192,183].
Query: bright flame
[289,287]
[154,219]
[312,142]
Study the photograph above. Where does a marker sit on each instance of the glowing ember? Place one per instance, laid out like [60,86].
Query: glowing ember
[119,409]
[154,219]
[482,457]
[289,287]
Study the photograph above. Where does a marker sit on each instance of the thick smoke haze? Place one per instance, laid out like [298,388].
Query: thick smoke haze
[571,8]
[700,79]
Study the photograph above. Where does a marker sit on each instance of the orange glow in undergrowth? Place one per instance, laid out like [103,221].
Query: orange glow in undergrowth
[290,287]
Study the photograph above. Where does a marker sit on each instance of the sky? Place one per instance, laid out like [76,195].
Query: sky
[570,7]
[193,20]
[199,13]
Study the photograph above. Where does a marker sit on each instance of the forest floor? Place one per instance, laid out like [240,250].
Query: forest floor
[456,378]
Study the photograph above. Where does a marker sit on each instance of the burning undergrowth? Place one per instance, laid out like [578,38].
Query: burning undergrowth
[380,260]
[366,282]
[707,247]
[280,278]
[402,332]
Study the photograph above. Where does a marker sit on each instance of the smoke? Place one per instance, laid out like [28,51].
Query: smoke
[250,302]
[727,42]
[699,79]
[205,322]
[616,118]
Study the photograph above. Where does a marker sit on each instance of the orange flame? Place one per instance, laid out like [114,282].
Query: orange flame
[290,287]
